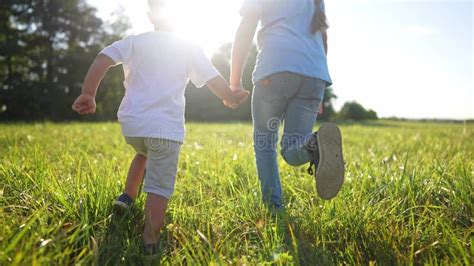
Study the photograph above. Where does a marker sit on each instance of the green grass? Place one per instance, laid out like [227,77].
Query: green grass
[407,199]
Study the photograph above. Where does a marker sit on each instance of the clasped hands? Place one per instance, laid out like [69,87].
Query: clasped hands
[240,96]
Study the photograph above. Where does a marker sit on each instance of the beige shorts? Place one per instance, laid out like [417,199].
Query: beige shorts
[162,163]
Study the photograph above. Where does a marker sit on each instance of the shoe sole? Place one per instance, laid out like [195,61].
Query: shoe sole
[330,171]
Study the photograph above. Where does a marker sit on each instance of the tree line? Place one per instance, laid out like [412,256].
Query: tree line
[46,47]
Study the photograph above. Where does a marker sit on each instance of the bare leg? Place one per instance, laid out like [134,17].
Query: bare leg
[155,209]
[135,176]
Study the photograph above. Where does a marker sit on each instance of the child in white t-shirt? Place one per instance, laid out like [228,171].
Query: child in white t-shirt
[157,66]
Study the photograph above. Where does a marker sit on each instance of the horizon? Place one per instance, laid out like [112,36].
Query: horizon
[412,60]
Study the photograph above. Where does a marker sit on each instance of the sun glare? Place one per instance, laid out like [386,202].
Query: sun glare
[209,23]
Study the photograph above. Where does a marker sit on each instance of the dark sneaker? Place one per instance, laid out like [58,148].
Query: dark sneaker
[328,159]
[123,204]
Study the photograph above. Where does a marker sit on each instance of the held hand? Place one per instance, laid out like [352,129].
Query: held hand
[84,105]
[238,88]
[239,98]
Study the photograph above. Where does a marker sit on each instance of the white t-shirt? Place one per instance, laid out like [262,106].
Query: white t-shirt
[157,68]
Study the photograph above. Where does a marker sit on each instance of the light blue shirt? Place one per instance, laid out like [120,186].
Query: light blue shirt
[285,42]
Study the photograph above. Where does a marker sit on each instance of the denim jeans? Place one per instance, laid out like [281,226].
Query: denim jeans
[292,99]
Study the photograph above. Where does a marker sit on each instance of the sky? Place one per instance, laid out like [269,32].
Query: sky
[403,58]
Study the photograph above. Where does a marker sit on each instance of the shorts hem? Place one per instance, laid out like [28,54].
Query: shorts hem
[159,192]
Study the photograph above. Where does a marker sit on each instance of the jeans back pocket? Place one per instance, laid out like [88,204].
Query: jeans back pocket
[274,88]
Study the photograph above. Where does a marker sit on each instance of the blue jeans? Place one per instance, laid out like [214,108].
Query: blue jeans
[292,99]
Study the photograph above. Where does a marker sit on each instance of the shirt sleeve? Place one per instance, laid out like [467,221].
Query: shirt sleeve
[251,7]
[323,6]
[200,68]
[119,51]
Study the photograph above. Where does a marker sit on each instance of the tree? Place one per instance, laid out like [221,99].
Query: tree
[372,115]
[46,48]
[355,111]
[14,65]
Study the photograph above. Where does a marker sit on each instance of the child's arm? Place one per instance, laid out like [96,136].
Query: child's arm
[241,48]
[85,103]
[221,89]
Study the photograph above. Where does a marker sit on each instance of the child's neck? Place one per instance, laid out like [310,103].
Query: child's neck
[162,27]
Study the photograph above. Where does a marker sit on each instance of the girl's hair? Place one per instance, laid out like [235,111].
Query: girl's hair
[319,22]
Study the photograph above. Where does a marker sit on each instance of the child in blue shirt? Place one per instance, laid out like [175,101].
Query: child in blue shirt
[290,78]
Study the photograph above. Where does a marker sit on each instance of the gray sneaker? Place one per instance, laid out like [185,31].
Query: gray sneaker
[328,159]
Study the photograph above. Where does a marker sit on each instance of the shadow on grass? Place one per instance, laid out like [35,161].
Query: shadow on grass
[298,243]
[301,247]
[306,251]
[122,242]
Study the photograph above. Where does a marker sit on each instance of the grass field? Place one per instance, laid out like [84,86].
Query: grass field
[408,198]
